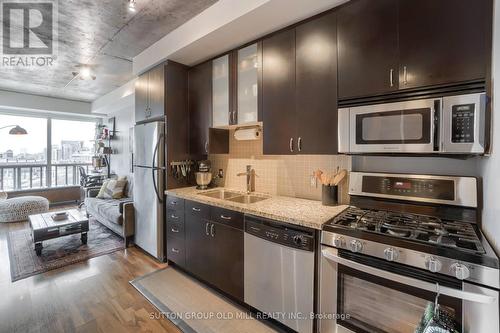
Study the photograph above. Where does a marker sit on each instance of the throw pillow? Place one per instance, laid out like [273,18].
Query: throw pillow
[112,188]
[3,195]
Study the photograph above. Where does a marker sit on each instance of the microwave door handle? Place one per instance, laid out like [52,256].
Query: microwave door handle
[438,133]
[464,295]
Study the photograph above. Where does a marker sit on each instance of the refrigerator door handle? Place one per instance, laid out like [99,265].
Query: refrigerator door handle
[153,169]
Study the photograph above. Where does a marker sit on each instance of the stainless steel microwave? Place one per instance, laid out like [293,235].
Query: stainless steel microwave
[445,125]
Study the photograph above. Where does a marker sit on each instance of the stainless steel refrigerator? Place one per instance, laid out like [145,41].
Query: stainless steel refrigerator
[149,187]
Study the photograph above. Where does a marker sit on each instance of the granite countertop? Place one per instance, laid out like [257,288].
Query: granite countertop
[307,213]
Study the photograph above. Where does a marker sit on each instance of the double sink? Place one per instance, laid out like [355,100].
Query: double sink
[235,196]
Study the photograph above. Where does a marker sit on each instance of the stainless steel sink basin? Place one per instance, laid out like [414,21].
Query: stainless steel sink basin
[234,196]
[248,198]
[221,194]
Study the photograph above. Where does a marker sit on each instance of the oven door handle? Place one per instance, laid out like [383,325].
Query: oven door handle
[464,295]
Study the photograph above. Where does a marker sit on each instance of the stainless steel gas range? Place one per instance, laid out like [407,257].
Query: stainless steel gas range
[404,239]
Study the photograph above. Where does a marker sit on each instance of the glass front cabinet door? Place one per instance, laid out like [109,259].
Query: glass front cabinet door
[247,86]
[220,91]
[235,87]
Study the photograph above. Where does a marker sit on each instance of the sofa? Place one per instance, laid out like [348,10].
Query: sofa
[116,214]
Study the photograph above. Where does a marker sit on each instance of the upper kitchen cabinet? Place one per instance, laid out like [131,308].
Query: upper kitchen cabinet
[248,74]
[150,94]
[443,42]
[367,48]
[142,97]
[200,107]
[316,82]
[221,90]
[393,45]
[235,87]
[202,138]
[278,93]
[299,89]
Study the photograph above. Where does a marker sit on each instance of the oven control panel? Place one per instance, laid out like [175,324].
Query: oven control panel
[462,123]
[443,189]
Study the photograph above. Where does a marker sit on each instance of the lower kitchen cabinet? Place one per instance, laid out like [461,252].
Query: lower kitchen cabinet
[227,243]
[214,251]
[175,232]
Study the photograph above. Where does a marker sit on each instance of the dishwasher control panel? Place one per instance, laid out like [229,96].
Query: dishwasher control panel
[280,233]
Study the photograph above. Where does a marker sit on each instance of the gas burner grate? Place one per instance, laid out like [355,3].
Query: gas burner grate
[422,228]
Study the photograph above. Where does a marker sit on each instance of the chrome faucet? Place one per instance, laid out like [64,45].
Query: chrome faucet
[250,173]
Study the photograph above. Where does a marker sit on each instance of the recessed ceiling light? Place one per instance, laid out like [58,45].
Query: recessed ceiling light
[131,5]
[84,73]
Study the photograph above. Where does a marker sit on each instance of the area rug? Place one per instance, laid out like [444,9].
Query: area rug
[194,308]
[58,252]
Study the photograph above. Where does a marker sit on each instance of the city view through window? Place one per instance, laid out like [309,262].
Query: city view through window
[24,159]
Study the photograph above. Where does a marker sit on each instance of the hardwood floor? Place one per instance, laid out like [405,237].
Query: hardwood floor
[91,296]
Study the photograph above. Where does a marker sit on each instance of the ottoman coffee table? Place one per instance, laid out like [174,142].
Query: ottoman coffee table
[44,227]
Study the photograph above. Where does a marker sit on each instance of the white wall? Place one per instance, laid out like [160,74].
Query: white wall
[34,103]
[121,158]
[490,167]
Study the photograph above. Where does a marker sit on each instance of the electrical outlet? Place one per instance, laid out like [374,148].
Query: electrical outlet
[314,181]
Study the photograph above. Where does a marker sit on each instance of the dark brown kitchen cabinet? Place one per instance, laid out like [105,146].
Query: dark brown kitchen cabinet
[368,48]
[202,138]
[316,82]
[150,94]
[443,42]
[200,107]
[278,93]
[228,246]
[299,89]
[200,251]
[175,234]
[214,251]
[142,97]
[156,88]
[392,45]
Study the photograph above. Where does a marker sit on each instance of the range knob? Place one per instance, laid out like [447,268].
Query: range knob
[298,240]
[433,264]
[461,271]
[391,254]
[339,241]
[356,246]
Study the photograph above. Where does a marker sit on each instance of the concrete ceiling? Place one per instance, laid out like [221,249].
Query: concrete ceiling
[105,35]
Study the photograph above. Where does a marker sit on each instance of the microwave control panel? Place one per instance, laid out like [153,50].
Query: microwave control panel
[462,129]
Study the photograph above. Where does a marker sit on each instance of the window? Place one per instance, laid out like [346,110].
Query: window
[25,161]
[72,143]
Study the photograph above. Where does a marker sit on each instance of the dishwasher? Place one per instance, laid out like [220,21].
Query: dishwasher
[279,271]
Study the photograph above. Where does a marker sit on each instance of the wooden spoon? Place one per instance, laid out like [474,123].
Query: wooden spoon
[339,177]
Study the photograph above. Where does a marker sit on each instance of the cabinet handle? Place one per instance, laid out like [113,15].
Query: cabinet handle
[299,144]
[206,229]
[206,147]
[196,209]
[212,230]
[291,145]
[391,77]
[405,75]
[175,230]
[174,250]
[225,217]
[174,203]
[174,216]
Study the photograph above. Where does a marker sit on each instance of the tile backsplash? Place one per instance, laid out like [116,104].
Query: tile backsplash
[286,175]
